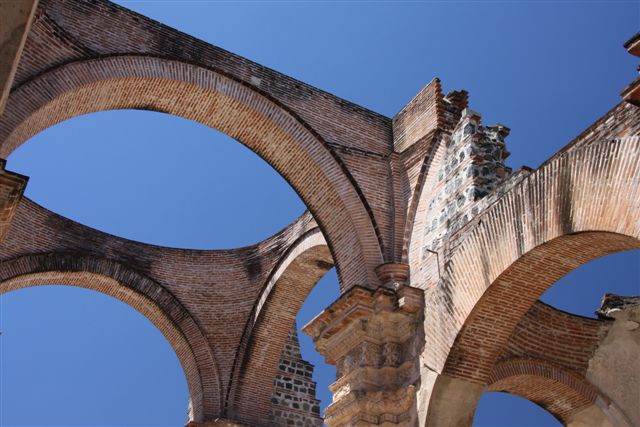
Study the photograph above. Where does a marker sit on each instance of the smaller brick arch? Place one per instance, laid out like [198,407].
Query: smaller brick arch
[557,390]
[285,291]
[140,293]
[562,392]
[512,294]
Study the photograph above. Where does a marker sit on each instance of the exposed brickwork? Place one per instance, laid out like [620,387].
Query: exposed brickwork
[421,116]
[68,32]
[559,391]
[441,251]
[511,295]
[294,396]
[15,24]
[198,290]
[268,327]
[631,93]
[592,188]
[561,338]
[274,134]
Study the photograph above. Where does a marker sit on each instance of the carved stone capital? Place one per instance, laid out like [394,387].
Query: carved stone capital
[374,339]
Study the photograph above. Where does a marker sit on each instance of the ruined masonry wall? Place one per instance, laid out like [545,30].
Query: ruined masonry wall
[470,167]
[294,396]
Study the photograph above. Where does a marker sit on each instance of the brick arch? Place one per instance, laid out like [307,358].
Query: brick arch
[556,389]
[285,291]
[208,97]
[417,226]
[142,294]
[582,204]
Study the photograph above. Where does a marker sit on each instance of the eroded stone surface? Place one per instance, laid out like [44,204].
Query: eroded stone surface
[615,365]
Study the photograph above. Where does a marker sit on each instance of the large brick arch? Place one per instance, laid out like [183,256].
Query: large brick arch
[582,204]
[142,294]
[267,329]
[218,101]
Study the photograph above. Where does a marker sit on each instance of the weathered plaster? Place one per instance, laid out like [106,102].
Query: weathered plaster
[615,366]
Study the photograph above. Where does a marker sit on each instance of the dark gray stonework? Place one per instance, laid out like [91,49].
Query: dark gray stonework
[294,396]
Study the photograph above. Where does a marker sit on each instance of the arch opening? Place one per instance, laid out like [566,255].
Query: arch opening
[323,294]
[141,294]
[515,291]
[71,354]
[580,292]
[156,178]
[534,350]
[510,410]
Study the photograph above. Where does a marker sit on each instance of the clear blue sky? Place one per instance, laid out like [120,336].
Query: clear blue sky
[545,69]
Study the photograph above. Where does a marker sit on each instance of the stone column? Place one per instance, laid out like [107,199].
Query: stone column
[374,338]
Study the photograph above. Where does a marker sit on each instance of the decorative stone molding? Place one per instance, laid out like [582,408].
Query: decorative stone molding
[373,339]
[393,274]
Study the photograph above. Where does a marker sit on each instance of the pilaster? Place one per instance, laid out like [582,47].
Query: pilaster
[374,339]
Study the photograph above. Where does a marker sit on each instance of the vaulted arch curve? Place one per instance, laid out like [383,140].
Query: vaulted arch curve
[143,295]
[218,101]
[266,331]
